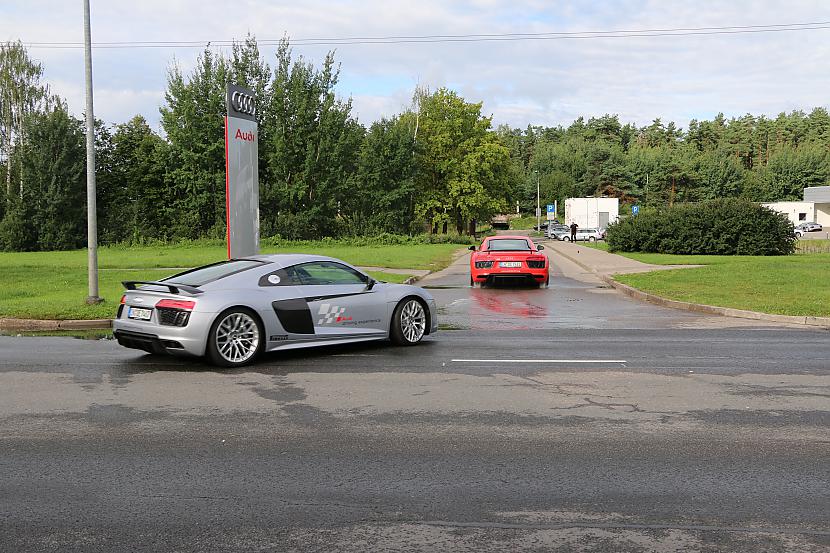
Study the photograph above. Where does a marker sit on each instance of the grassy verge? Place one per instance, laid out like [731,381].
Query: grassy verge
[53,285]
[786,285]
[527,222]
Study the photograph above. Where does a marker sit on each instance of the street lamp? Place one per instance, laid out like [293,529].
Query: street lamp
[91,213]
[538,205]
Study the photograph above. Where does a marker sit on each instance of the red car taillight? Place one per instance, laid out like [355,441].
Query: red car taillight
[176,304]
[123,299]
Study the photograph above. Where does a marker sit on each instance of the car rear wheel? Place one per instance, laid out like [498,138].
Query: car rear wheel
[235,338]
[592,239]
[409,322]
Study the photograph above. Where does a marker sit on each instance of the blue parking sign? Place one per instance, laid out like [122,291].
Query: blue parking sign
[635,209]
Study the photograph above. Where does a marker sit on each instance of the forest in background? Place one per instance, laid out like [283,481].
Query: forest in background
[439,166]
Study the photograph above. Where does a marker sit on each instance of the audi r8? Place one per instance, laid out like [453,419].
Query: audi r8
[508,258]
[234,310]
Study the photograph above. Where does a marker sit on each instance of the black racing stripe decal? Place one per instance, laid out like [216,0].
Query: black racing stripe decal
[333,296]
[294,315]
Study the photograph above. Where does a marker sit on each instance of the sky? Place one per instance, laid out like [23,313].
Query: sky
[520,82]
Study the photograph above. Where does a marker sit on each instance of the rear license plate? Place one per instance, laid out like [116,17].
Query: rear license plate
[139,313]
[510,264]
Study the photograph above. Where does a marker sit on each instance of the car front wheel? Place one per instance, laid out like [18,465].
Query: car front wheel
[235,338]
[409,322]
[592,239]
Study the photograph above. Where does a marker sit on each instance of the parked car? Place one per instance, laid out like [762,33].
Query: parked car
[804,228]
[555,229]
[583,234]
[809,227]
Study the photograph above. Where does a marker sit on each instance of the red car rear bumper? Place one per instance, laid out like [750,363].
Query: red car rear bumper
[499,273]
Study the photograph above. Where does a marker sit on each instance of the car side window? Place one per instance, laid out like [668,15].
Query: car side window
[327,273]
[281,277]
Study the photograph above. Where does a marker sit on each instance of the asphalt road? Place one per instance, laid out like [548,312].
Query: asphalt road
[627,428]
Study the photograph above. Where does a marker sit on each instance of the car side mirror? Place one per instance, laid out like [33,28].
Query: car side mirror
[539,248]
[370,284]
[472,248]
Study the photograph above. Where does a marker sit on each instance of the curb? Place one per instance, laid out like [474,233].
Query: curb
[821,322]
[38,324]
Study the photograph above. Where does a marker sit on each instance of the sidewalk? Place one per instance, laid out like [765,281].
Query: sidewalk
[602,262]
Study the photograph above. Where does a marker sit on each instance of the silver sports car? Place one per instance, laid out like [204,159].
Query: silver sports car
[233,310]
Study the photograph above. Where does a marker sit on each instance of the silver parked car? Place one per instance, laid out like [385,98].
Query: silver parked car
[556,230]
[589,234]
[804,228]
[234,310]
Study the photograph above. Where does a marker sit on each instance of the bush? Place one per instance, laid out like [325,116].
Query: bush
[727,226]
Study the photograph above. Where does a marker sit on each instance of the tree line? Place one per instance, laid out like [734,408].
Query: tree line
[438,166]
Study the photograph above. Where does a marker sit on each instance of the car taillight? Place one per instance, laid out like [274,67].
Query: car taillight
[123,299]
[176,304]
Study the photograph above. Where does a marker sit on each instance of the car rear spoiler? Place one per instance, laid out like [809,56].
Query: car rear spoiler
[174,288]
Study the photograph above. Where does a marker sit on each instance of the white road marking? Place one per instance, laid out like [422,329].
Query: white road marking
[539,361]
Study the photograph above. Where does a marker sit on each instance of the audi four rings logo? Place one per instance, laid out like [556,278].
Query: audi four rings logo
[243,103]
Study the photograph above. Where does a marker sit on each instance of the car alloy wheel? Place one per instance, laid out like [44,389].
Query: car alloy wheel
[409,322]
[236,338]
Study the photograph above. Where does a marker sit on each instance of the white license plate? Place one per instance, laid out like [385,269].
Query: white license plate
[139,313]
[510,264]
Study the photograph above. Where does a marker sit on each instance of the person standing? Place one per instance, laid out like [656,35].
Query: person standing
[574,226]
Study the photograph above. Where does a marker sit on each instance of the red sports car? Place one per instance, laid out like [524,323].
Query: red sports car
[502,258]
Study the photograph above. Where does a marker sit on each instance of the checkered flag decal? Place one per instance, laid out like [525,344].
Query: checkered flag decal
[329,313]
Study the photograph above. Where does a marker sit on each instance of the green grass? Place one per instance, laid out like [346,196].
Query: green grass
[53,285]
[523,223]
[812,246]
[527,222]
[784,285]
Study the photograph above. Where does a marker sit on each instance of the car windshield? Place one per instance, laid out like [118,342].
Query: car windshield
[508,244]
[209,273]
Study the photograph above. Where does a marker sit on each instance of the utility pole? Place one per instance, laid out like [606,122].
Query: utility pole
[91,207]
[538,205]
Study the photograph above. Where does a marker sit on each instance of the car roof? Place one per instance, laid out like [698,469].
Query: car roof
[507,237]
[288,259]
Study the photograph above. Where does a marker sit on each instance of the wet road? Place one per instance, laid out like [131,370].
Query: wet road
[575,299]
[627,427]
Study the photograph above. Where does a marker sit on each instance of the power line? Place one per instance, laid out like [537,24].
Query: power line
[430,39]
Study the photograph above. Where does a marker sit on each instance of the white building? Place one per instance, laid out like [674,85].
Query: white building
[814,209]
[592,212]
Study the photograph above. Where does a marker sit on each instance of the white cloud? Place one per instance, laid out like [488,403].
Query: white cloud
[520,82]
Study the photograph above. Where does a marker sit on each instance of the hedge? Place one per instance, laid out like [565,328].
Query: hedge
[727,226]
